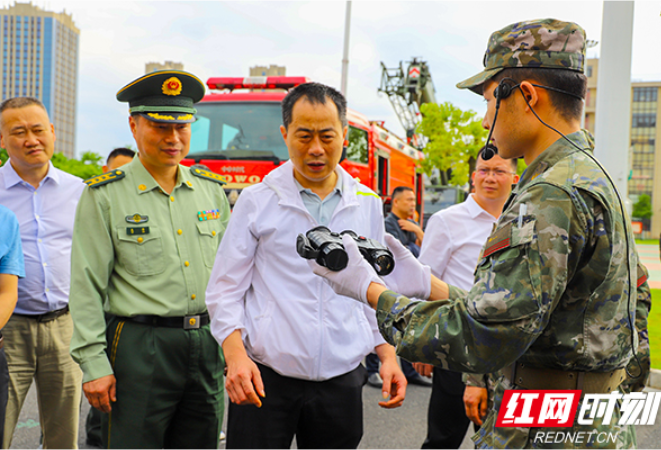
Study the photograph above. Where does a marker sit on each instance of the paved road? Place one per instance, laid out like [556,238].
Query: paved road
[401,428]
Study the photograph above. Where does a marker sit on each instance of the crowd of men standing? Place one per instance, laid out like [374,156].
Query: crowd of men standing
[116,276]
[136,289]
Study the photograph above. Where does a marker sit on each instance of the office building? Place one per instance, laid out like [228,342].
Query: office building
[645,138]
[271,71]
[40,59]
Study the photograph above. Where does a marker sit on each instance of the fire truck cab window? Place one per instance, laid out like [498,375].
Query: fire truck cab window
[357,151]
[238,130]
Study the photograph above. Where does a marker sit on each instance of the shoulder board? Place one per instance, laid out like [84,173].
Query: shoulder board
[105,178]
[207,175]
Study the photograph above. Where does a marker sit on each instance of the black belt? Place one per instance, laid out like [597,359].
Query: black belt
[46,317]
[192,322]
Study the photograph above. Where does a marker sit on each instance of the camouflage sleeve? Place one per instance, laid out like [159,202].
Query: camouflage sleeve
[518,282]
[474,379]
[638,369]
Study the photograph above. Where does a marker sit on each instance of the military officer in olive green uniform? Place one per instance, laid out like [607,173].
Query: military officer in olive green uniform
[145,240]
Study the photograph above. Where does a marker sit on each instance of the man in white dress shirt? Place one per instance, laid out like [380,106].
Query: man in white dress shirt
[287,337]
[38,334]
[453,240]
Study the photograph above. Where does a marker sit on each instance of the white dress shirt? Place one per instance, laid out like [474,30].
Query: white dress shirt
[453,240]
[45,217]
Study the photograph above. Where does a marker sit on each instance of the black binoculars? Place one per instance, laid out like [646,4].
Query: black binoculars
[325,246]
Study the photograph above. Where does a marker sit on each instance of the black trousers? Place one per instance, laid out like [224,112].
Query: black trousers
[169,387]
[321,414]
[446,419]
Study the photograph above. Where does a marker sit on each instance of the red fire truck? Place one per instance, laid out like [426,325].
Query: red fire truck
[237,135]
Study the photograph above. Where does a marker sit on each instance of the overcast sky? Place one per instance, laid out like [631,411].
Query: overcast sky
[226,38]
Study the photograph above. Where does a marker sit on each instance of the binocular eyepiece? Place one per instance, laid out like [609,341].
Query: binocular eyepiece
[325,246]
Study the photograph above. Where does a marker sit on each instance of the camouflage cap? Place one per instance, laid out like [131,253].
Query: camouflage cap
[164,96]
[540,43]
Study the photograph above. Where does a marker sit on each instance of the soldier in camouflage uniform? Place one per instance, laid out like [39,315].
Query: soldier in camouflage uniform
[558,283]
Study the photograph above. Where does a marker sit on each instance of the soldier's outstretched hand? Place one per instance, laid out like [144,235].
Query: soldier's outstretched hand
[409,278]
[475,402]
[354,280]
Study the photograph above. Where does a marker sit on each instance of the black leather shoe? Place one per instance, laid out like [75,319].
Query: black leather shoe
[94,443]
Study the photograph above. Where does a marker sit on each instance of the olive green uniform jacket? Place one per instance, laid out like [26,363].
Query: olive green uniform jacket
[137,250]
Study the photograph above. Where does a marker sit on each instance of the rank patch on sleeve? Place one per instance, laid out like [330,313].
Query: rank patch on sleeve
[642,275]
[499,240]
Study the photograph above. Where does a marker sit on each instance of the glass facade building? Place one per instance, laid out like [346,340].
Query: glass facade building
[645,139]
[40,59]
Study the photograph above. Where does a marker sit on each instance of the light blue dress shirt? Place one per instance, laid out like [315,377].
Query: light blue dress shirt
[45,216]
[321,210]
[11,251]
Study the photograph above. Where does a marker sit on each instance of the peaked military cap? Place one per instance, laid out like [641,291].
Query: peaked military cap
[164,96]
[544,43]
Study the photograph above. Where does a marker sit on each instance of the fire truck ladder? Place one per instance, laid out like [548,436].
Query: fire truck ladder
[407,91]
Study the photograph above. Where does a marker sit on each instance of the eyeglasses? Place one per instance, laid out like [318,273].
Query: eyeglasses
[498,173]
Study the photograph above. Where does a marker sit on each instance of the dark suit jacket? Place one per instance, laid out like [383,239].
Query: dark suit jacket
[407,238]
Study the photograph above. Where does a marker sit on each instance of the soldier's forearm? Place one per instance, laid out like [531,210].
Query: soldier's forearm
[374,291]
[439,332]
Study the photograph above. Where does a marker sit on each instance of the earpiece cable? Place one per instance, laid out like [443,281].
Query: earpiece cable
[624,215]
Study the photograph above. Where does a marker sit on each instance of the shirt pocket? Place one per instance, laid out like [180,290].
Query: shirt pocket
[140,255]
[509,274]
[209,231]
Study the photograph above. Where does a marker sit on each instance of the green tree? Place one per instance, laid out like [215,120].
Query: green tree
[455,137]
[86,167]
[642,209]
